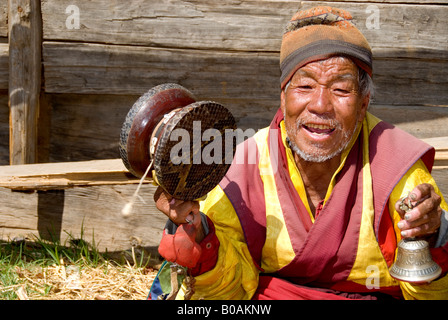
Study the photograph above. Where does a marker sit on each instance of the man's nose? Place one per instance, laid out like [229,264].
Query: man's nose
[321,101]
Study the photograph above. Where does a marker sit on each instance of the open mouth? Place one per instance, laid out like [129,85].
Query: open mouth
[321,129]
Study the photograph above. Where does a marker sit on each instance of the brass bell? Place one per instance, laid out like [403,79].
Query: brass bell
[414,262]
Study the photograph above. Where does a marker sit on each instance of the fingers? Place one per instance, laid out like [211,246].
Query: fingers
[178,211]
[421,192]
[424,219]
[418,194]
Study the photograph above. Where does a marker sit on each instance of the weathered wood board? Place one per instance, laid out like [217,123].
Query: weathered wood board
[63,175]
[421,121]
[100,118]
[4,130]
[94,211]
[234,25]
[64,200]
[227,25]
[4,66]
[440,174]
[105,69]
[24,82]
[3,18]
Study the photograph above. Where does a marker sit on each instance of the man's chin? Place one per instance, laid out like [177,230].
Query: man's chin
[316,153]
[317,157]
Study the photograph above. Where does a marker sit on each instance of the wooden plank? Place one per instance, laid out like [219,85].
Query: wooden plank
[96,209]
[44,128]
[410,81]
[3,18]
[423,2]
[63,175]
[94,201]
[56,169]
[86,127]
[227,25]
[440,175]
[24,78]
[421,121]
[441,146]
[4,66]
[440,143]
[240,25]
[4,130]
[109,69]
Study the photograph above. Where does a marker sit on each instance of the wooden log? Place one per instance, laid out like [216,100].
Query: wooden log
[58,201]
[3,18]
[107,69]
[4,66]
[425,2]
[227,25]
[440,174]
[74,68]
[4,130]
[441,146]
[440,169]
[421,121]
[93,212]
[239,26]
[86,127]
[440,143]
[24,78]
[51,176]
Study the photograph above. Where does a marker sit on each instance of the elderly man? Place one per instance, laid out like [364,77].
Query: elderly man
[316,216]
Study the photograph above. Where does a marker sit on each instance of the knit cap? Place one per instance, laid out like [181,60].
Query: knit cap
[319,33]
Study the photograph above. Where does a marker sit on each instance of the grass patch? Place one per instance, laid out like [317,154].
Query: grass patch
[48,270]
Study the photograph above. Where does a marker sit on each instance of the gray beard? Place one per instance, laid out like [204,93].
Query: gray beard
[318,158]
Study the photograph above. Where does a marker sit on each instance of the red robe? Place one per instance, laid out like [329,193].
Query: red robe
[325,264]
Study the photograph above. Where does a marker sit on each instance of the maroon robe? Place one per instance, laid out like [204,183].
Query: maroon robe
[326,249]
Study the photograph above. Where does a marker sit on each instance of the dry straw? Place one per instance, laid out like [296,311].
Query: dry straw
[74,282]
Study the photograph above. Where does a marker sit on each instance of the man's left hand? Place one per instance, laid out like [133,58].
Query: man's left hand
[424,219]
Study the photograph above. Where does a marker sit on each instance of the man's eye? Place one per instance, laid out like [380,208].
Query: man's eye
[340,90]
[305,87]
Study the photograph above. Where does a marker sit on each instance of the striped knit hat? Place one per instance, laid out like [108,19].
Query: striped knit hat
[320,33]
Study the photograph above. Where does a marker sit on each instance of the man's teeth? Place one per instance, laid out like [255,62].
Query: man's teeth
[319,126]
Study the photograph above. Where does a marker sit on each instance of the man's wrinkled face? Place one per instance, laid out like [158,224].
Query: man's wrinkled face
[322,107]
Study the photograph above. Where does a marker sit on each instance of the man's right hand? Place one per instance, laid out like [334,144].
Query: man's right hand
[179,211]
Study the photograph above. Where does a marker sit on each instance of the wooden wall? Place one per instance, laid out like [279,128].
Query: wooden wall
[226,51]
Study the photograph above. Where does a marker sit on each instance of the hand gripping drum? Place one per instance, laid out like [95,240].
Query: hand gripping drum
[189,143]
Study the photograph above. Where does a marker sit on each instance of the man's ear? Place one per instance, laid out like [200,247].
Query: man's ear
[283,101]
[364,106]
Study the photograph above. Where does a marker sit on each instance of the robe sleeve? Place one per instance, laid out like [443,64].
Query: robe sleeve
[234,275]
[438,289]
